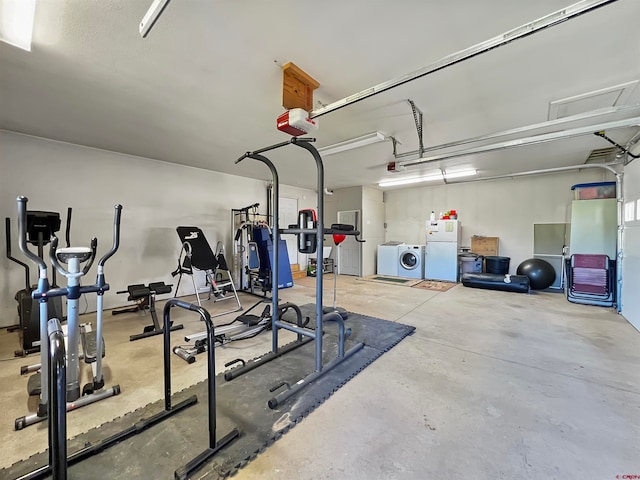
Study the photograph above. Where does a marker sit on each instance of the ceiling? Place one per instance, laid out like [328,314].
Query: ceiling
[205,85]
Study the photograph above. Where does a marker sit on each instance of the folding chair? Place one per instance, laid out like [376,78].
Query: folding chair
[590,279]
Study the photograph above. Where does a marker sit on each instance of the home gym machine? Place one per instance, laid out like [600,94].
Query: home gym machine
[41,226]
[245,260]
[92,342]
[253,260]
[145,297]
[58,459]
[317,235]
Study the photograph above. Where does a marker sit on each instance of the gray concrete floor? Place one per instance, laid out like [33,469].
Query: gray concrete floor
[492,385]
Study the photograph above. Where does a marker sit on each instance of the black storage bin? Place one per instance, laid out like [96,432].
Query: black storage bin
[498,265]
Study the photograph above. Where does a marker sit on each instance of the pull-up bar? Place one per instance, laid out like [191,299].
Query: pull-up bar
[316,335]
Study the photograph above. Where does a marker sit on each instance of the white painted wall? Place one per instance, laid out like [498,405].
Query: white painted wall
[156,198]
[369,202]
[343,199]
[372,228]
[505,208]
[630,300]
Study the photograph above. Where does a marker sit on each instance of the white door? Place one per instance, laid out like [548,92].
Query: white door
[349,251]
[288,215]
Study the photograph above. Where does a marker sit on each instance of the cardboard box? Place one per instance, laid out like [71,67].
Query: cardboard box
[484,245]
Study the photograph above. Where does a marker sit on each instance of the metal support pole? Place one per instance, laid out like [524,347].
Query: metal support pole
[214,447]
[304,143]
[619,239]
[275,231]
[57,409]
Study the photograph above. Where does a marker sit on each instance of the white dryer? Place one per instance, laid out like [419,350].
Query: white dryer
[411,261]
[388,259]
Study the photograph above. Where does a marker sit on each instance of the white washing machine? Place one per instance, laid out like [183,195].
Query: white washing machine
[388,259]
[411,261]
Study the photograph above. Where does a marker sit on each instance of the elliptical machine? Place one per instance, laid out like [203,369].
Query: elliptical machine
[92,342]
[40,228]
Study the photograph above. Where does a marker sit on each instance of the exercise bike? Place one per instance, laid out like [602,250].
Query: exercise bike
[92,342]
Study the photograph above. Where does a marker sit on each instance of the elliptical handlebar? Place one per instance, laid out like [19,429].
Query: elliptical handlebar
[22,237]
[53,258]
[116,236]
[27,272]
[94,248]
[67,231]
[94,251]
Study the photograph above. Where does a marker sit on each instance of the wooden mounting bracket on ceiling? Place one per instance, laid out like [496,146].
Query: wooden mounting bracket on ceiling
[297,88]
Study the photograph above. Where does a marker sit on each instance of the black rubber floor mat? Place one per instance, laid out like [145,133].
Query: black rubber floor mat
[242,403]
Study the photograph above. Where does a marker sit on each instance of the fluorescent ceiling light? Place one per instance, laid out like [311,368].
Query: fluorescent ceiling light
[16,22]
[430,178]
[461,173]
[407,181]
[357,142]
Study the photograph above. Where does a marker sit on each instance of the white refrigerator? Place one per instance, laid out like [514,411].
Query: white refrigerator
[443,245]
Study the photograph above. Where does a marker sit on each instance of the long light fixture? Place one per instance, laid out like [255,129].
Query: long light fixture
[460,173]
[352,143]
[16,22]
[408,181]
[434,177]
[151,17]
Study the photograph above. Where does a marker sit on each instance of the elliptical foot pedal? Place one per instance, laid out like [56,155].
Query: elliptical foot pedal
[90,346]
[34,384]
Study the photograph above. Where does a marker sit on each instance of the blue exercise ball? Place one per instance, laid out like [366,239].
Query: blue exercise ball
[540,273]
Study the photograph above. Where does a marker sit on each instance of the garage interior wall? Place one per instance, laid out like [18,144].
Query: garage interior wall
[343,199]
[369,202]
[372,228]
[631,245]
[505,208]
[156,197]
